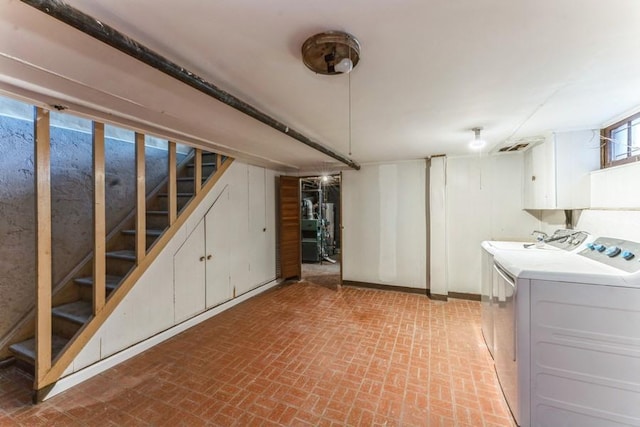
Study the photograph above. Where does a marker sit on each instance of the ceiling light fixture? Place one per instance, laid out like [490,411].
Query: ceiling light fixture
[331,53]
[477,143]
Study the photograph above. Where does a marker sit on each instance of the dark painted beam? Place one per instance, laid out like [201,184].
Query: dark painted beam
[106,34]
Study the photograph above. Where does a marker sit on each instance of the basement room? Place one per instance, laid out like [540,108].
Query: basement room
[414,213]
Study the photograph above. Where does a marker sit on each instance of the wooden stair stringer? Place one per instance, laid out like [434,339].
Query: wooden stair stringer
[73,348]
[25,327]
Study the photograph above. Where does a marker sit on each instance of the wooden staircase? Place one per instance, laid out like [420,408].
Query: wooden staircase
[73,302]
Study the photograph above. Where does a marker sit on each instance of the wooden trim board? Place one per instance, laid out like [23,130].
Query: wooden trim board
[99,219]
[172,185]
[141,204]
[42,156]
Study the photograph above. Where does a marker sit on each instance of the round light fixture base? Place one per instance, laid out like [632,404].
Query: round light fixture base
[331,52]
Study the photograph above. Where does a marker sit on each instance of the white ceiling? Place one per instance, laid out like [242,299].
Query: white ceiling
[430,70]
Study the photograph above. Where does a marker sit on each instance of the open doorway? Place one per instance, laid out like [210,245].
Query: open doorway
[320,236]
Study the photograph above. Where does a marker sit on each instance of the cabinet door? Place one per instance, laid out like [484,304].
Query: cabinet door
[539,177]
[189,274]
[218,236]
[258,252]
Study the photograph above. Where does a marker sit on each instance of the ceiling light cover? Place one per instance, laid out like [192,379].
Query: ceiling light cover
[477,143]
[331,52]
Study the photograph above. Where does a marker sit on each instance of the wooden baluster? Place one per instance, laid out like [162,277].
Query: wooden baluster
[197,171]
[173,190]
[42,154]
[218,161]
[99,219]
[141,227]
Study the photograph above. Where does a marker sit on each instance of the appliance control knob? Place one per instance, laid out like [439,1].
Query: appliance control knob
[600,248]
[613,251]
[591,246]
[627,255]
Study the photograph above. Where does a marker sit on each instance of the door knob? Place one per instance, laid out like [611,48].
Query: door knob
[209,256]
[201,258]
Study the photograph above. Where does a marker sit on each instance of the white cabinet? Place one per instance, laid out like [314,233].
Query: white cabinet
[201,265]
[232,250]
[556,172]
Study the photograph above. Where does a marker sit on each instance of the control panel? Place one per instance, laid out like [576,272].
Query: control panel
[622,254]
[567,239]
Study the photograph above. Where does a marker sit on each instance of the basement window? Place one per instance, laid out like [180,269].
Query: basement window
[622,142]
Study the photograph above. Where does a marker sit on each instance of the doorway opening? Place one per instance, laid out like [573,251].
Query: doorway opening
[320,231]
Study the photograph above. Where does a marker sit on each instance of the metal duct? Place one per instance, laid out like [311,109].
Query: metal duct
[106,34]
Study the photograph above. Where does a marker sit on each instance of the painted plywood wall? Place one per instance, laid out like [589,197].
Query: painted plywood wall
[384,220]
[483,201]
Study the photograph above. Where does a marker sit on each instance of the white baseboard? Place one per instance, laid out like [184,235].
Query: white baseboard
[117,358]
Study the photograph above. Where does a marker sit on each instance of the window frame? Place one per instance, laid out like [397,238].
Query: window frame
[606,152]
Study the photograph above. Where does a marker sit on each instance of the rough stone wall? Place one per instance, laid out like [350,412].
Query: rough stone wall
[71,192]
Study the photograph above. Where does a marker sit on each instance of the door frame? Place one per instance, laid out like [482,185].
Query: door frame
[340,225]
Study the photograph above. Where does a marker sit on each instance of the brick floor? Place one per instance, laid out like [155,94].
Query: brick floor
[298,355]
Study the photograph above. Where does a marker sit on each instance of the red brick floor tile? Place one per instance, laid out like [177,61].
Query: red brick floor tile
[297,355]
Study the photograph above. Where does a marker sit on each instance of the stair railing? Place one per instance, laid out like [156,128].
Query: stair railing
[48,370]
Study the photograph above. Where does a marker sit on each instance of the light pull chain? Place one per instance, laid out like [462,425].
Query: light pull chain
[349,77]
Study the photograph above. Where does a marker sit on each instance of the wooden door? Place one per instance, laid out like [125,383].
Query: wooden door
[289,212]
[189,267]
[218,253]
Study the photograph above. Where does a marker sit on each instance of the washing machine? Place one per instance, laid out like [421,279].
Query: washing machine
[567,334]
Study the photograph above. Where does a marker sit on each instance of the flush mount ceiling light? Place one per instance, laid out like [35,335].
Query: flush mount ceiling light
[477,143]
[331,52]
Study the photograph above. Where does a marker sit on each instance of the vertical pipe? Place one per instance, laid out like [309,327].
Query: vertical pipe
[173,190]
[99,219]
[141,228]
[197,171]
[42,154]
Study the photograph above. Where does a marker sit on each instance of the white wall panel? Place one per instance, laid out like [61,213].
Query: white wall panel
[483,202]
[384,236]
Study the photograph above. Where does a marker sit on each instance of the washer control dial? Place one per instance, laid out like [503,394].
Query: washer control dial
[613,251]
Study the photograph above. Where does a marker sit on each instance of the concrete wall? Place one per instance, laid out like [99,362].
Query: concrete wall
[71,180]
[384,219]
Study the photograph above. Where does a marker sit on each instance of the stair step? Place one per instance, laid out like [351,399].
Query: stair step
[178,194]
[77,312]
[190,179]
[154,233]
[125,255]
[111,281]
[190,165]
[26,350]
[158,213]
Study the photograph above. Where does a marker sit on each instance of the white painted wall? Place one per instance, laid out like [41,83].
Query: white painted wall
[616,188]
[148,309]
[615,203]
[483,202]
[384,220]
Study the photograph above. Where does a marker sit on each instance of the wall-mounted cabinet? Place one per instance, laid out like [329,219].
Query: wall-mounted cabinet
[556,172]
